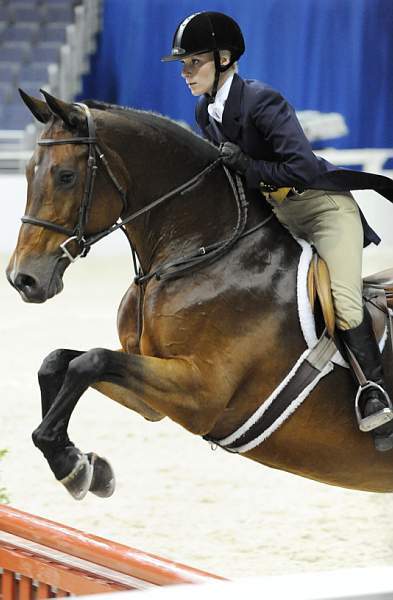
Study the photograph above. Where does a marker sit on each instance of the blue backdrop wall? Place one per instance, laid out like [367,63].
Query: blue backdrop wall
[328,55]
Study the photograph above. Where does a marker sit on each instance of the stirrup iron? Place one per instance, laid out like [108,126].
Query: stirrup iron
[380,417]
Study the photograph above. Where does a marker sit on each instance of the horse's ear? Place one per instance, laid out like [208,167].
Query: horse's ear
[37,107]
[68,113]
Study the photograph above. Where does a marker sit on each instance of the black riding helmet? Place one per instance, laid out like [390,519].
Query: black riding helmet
[208,32]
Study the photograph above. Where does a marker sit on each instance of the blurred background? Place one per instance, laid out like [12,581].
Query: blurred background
[325,55]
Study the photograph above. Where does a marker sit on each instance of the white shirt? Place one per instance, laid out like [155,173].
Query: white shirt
[216,109]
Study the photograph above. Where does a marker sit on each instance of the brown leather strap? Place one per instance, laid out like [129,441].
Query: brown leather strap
[357,370]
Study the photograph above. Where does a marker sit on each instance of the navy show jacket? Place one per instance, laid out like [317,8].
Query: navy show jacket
[264,125]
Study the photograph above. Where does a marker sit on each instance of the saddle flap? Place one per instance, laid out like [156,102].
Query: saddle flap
[311,289]
[377,292]
[318,284]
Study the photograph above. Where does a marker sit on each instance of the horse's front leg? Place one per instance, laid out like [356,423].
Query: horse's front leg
[51,375]
[125,398]
[173,387]
[50,378]
[62,455]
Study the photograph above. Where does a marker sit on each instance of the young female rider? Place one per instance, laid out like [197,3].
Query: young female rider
[261,138]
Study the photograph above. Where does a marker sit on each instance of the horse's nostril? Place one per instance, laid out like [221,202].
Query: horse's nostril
[23,281]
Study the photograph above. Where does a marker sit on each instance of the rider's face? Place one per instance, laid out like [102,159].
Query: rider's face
[198,71]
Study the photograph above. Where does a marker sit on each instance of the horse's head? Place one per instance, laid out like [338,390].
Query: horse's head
[63,204]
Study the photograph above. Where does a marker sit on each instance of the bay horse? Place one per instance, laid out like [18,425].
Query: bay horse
[208,329]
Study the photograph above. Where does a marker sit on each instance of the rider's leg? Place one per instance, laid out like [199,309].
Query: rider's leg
[331,222]
[361,341]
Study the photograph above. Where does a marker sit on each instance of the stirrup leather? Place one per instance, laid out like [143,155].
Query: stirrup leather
[380,417]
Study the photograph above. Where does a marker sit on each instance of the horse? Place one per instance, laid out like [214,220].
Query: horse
[210,325]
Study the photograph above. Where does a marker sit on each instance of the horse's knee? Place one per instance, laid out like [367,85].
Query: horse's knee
[90,365]
[52,364]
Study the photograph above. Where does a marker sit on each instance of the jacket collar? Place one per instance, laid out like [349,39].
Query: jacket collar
[232,112]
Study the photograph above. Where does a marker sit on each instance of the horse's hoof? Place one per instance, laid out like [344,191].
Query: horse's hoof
[103,482]
[78,482]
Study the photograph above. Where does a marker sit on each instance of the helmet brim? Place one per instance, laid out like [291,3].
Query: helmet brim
[174,57]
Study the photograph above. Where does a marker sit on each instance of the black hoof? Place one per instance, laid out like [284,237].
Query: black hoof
[103,482]
[78,482]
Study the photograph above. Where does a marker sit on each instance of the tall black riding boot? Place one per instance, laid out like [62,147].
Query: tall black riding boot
[373,400]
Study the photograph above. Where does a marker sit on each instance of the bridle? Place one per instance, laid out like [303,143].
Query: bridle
[78,234]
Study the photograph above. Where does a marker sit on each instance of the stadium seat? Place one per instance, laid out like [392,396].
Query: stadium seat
[60,14]
[33,72]
[24,3]
[53,33]
[45,53]
[15,117]
[6,90]
[60,2]
[3,27]
[20,33]
[5,13]
[8,73]
[13,54]
[43,44]
[27,14]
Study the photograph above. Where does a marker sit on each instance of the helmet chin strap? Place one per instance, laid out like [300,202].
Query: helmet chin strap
[218,69]
[217,73]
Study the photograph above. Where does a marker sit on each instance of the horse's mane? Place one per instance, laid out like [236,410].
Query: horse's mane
[179,129]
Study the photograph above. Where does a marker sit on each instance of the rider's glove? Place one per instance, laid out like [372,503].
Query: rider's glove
[234,158]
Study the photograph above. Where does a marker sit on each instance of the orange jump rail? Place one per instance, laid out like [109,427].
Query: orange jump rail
[43,559]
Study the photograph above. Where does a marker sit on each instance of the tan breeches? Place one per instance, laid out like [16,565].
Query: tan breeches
[330,221]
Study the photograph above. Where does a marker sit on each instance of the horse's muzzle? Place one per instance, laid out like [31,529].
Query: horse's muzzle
[37,285]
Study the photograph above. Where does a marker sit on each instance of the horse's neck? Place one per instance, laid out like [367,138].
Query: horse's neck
[202,215]
[158,161]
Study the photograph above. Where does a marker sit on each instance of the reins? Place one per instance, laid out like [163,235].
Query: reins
[181,189]
[170,269]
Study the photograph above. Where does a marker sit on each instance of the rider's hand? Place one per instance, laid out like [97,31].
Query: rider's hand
[234,158]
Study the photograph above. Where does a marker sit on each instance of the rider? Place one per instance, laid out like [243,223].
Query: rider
[260,137]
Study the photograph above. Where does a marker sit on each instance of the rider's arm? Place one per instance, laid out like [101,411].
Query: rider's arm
[294,162]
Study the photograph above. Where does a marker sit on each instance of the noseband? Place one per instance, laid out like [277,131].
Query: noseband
[178,266]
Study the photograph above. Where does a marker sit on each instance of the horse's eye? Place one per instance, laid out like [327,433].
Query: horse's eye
[66,177]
